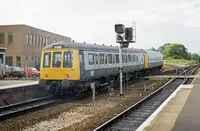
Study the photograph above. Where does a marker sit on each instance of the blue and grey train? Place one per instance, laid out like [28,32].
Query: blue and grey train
[72,66]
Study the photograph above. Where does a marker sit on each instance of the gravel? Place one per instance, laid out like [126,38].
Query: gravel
[82,114]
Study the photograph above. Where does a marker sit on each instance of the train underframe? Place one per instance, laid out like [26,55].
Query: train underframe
[66,87]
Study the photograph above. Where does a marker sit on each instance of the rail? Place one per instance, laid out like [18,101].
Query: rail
[134,116]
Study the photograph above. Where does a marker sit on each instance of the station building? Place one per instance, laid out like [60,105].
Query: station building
[25,43]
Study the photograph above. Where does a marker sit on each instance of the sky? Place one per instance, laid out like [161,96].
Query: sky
[92,21]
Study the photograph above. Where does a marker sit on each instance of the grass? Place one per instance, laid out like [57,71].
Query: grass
[179,62]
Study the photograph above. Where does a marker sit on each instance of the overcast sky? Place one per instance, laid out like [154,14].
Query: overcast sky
[93,21]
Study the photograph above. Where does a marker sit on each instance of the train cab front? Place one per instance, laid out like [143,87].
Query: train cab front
[59,69]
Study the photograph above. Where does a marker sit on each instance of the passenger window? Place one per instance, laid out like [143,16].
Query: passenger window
[129,58]
[91,59]
[57,59]
[113,58]
[106,59]
[97,59]
[67,59]
[124,58]
[117,58]
[109,58]
[101,58]
[47,59]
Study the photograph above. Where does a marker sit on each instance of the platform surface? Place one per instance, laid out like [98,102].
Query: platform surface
[189,118]
[5,84]
[182,112]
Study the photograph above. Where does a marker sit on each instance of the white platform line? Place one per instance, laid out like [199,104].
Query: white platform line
[148,121]
[18,85]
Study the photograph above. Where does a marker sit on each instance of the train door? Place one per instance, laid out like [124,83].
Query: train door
[146,61]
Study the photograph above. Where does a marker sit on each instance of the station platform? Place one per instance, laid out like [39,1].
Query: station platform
[180,112]
[5,84]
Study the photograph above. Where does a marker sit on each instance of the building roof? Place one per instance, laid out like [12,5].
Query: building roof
[35,28]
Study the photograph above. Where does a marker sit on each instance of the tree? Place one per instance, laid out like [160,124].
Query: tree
[174,51]
[153,49]
[195,57]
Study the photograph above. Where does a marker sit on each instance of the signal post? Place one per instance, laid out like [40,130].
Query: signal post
[124,36]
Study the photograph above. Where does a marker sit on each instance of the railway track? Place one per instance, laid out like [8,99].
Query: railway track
[134,116]
[33,105]
[27,106]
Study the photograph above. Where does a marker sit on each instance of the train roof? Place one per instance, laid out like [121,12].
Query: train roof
[152,52]
[86,46]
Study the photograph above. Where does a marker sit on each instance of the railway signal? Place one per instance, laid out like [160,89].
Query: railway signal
[124,36]
[128,33]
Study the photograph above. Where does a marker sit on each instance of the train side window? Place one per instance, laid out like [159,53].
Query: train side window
[101,58]
[47,59]
[114,59]
[109,58]
[96,59]
[117,58]
[106,59]
[129,58]
[68,58]
[57,56]
[136,58]
[124,58]
[91,59]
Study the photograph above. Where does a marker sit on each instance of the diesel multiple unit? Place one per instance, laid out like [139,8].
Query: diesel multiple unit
[68,67]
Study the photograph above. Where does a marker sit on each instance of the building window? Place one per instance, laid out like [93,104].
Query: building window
[43,41]
[18,61]
[27,38]
[40,40]
[1,38]
[9,60]
[34,40]
[35,61]
[31,39]
[38,60]
[46,41]
[10,38]
[49,40]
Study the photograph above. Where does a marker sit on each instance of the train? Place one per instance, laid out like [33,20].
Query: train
[70,67]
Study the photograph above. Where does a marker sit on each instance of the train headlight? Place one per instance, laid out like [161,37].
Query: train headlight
[67,75]
[46,75]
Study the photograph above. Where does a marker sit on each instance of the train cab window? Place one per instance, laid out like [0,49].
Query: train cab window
[117,58]
[109,58]
[47,59]
[91,59]
[101,58]
[67,59]
[57,56]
